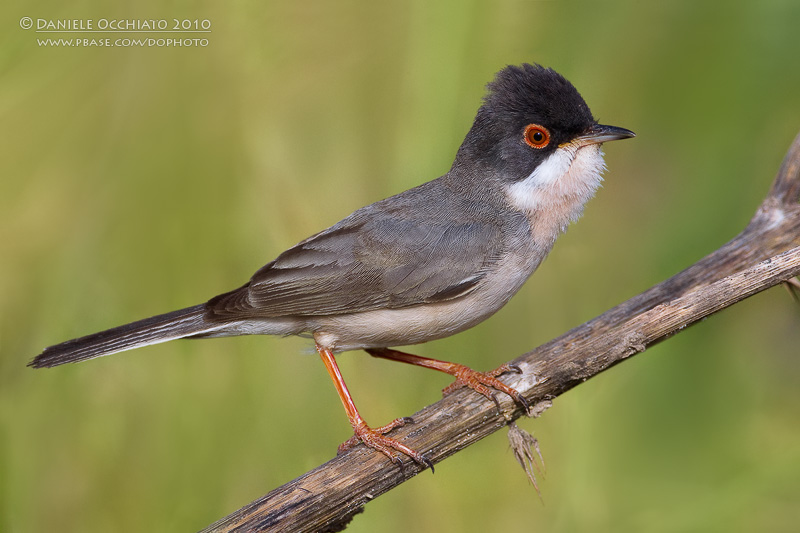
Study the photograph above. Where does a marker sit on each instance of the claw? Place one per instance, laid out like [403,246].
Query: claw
[505,369]
[521,399]
[497,403]
[376,439]
[515,368]
[483,382]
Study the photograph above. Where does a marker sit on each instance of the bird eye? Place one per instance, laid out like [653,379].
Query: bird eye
[536,136]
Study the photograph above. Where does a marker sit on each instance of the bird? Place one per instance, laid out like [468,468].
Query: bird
[421,265]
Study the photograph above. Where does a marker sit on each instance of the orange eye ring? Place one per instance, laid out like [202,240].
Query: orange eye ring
[536,136]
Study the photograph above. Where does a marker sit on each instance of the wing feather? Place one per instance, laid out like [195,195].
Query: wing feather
[374,259]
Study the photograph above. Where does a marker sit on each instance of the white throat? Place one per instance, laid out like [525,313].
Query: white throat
[553,195]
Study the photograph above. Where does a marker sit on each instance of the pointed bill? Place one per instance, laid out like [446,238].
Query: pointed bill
[600,133]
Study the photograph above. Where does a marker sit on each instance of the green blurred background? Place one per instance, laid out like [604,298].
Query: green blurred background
[135,181]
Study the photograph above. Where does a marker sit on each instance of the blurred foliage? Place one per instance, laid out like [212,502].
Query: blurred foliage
[134,181]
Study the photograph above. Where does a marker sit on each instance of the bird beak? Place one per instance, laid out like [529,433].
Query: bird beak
[599,134]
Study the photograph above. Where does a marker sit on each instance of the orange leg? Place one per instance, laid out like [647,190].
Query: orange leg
[374,438]
[481,382]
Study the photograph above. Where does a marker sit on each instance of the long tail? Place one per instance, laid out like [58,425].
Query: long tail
[161,328]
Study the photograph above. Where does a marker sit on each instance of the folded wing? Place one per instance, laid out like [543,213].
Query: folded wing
[373,259]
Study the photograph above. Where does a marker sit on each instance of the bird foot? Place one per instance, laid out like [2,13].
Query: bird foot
[376,439]
[484,382]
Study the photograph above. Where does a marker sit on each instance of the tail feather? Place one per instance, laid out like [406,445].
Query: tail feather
[161,328]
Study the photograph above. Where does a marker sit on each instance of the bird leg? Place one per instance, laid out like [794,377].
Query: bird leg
[481,382]
[372,437]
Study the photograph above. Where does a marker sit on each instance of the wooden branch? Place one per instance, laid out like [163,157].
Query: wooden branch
[766,253]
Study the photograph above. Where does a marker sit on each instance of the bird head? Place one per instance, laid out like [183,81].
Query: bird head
[530,115]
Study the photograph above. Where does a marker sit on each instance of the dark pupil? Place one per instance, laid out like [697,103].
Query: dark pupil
[537,136]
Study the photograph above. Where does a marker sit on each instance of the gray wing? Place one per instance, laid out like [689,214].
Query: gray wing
[374,259]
